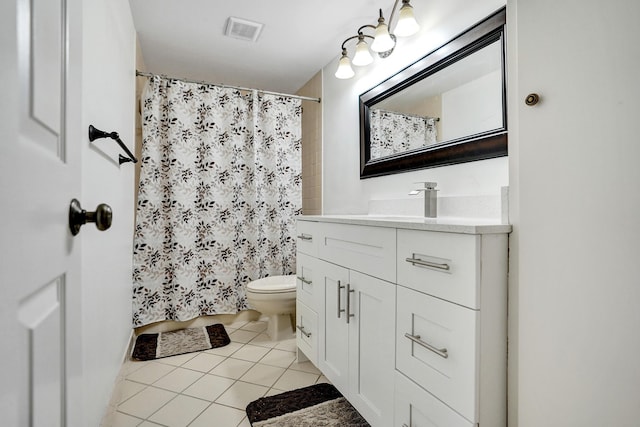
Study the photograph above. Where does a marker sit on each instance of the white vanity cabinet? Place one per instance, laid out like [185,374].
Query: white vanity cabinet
[451,325]
[308,298]
[356,314]
[410,318]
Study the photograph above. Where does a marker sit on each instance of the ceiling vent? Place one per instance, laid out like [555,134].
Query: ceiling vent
[243,29]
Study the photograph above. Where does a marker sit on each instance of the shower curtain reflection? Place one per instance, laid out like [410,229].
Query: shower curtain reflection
[220,186]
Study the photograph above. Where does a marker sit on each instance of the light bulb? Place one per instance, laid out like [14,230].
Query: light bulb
[362,55]
[407,24]
[344,70]
[382,41]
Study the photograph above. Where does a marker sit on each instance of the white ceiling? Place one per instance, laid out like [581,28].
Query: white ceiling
[185,38]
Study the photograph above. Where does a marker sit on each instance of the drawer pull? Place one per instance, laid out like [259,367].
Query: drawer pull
[340,310]
[305,333]
[303,280]
[442,352]
[349,290]
[305,237]
[428,263]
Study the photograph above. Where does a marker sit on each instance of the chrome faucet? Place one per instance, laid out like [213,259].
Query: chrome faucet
[430,198]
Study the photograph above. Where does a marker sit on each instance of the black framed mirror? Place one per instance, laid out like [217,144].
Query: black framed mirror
[448,107]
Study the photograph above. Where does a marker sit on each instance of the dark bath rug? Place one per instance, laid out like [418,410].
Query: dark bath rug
[316,405]
[165,344]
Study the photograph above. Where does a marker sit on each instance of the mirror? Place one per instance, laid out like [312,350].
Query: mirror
[447,108]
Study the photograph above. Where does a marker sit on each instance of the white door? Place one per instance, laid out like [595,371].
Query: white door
[39,175]
[576,163]
[372,347]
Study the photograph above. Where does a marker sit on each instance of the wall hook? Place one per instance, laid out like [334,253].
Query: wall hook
[97,134]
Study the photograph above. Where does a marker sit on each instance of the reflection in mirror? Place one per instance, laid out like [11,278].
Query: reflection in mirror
[448,107]
[463,99]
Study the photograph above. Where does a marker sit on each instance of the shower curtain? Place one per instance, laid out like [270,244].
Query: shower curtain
[393,132]
[220,186]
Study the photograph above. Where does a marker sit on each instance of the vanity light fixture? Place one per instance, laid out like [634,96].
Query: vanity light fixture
[383,41]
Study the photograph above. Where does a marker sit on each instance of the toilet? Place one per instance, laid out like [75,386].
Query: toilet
[275,297]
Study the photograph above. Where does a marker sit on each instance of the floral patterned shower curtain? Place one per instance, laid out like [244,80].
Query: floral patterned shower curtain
[393,132]
[220,186]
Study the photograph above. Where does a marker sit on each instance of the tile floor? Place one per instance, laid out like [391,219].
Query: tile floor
[211,387]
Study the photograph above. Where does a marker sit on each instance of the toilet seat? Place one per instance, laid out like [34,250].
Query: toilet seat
[273,285]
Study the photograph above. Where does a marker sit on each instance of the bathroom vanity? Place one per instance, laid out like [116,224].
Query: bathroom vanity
[407,317]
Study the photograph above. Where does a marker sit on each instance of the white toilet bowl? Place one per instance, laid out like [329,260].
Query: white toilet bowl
[275,297]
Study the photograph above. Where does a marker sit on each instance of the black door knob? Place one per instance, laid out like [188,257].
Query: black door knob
[78,217]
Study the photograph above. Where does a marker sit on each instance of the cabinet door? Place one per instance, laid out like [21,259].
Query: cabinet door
[333,337]
[371,347]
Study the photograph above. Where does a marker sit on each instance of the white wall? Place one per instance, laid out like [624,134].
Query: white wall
[108,103]
[575,249]
[343,191]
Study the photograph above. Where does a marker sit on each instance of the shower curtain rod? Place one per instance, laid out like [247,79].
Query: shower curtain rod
[304,98]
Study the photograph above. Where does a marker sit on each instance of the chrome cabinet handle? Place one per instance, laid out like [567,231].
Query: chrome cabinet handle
[340,310]
[305,237]
[424,263]
[305,333]
[442,352]
[303,280]
[349,291]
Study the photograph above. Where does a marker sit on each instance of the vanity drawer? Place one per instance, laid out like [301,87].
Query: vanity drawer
[444,265]
[369,250]
[308,287]
[448,369]
[307,331]
[415,407]
[306,237]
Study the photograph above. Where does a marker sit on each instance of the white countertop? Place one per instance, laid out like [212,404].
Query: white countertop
[445,224]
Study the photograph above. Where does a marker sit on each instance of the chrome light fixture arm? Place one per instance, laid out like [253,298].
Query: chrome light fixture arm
[383,41]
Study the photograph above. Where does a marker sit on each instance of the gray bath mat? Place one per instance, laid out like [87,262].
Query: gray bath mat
[316,405]
[165,344]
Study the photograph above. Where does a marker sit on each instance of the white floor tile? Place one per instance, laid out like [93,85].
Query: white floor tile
[219,415]
[245,423]
[264,340]
[252,353]
[130,366]
[209,387]
[204,362]
[240,394]
[263,375]
[287,345]
[279,358]
[273,391]
[177,360]
[123,420]
[255,326]
[227,350]
[178,380]
[232,368]
[242,336]
[235,325]
[150,373]
[149,424]
[128,389]
[292,380]
[305,367]
[146,402]
[179,412]
[323,379]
